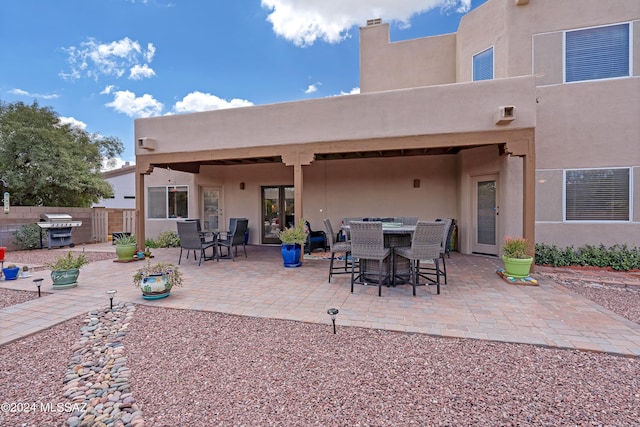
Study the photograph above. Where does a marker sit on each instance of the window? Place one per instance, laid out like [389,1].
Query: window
[483,65]
[597,194]
[168,202]
[597,53]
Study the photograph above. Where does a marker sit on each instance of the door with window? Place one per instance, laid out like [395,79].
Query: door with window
[277,211]
[211,203]
[486,213]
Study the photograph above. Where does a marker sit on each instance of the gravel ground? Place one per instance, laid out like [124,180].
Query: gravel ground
[211,369]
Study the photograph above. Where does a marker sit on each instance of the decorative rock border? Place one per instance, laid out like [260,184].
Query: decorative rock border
[97,378]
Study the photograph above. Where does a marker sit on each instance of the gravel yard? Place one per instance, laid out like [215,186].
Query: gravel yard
[210,369]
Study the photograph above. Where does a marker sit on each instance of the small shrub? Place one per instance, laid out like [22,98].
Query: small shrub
[616,257]
[167,239]
[28,236]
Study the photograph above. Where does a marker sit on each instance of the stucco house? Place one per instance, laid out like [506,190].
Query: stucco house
[523,122]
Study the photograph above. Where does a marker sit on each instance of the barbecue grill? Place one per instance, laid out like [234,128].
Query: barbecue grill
[59,229]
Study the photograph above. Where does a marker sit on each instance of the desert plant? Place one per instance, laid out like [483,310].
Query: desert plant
[27,236]
[296,234]
[127,239]
[515,247]
[167,239]
[68,262]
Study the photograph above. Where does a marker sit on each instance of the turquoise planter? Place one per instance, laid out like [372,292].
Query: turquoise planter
[63,279]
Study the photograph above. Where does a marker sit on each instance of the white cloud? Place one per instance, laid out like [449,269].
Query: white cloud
[198,101]
[21,92]
[115,163]
[107,90]
[73,122]
[138,72]
[94,59]
[144,106]
[353,91]
[305,21]
[312,88]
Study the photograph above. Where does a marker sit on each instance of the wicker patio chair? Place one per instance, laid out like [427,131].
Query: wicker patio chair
[406,220]
[336,246]
[235,237]
[367,246]
[191,240]
[446,241]
[425,245]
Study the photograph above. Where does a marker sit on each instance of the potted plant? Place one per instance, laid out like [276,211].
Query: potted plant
[517,262]
[156,280]
[292,239]
[11,272]
[126,247]
[65,270]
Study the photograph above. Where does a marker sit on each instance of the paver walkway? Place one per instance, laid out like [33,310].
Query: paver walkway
[475,304]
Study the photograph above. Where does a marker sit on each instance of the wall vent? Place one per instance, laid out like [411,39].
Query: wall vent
[374,21]
[505,114]
[147,143]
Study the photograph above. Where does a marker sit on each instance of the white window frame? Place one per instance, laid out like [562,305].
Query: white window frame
[629,54]
[493,63]
[166,201]
[564,197]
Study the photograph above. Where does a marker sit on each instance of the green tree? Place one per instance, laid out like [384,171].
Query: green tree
[47,163]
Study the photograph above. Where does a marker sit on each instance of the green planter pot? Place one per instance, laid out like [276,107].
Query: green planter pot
[517,267]
[126,252]
[63,279]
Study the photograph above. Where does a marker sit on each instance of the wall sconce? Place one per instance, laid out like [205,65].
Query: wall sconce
[242,185]
[416,183]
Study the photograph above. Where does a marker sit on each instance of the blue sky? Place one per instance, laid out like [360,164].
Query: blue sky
[100,64]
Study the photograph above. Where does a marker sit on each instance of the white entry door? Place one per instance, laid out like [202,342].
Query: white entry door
[486,214]
[212,213]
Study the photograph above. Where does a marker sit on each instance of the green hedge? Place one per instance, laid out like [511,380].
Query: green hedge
[618,257]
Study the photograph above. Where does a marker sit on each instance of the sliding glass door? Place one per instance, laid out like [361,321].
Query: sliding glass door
[277,211]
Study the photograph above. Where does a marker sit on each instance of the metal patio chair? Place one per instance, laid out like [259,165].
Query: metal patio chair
[191,240]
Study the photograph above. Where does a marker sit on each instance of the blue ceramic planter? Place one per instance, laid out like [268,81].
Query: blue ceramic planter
[10,273]
[291,255]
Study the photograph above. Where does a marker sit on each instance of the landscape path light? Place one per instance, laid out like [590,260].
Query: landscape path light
[111,293]
[333,312]
[38,282]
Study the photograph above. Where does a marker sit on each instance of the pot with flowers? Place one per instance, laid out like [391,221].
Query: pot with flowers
[292,239]
[156,280]
[517,262]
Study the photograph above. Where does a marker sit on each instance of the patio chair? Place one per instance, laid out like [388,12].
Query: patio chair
[446,241]
[191,240]
[367,246]
[315,240]
[234,238]
[406,220]
[336,246]
[425,245]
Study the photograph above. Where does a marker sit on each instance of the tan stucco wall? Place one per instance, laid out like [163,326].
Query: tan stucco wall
[404,64]
[421,111]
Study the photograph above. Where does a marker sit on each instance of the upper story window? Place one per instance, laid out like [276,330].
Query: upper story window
[597,53]
[168,202]
[597,194]
[483,65]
